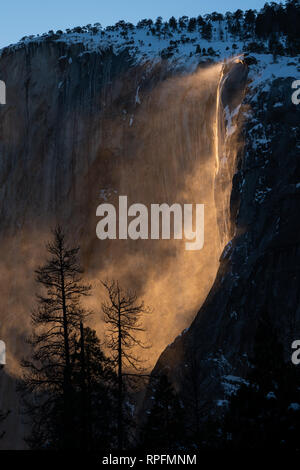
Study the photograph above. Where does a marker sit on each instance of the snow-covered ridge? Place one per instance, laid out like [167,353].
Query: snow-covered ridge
[141,44]
[144,42]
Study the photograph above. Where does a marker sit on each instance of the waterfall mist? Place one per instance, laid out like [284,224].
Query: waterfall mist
[162,152]
[168,155]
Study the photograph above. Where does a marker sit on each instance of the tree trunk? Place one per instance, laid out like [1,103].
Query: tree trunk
[120,386]
[83,413]
[67,371]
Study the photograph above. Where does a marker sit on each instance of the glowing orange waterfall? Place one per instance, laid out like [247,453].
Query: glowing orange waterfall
[219,87]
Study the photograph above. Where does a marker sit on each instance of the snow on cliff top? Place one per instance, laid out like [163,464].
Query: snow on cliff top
[179,46]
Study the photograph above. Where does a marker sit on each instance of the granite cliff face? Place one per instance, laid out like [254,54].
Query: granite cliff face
[80,128]
[77,122]
[46,131]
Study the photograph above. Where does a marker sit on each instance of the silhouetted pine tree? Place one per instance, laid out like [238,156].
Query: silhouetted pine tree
[173,23]
[275,47]
[200,20]
[292,21]
[123,313]
[195,409]
[47,386]
[158,23]
[2,418]
[206,31]
[249,21]
[192,25]
[3,415]
[96,396]
[164,428]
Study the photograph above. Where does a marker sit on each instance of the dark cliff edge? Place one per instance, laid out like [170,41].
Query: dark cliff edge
[259,267]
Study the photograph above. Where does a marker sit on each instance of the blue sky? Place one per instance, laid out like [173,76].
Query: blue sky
[23,17]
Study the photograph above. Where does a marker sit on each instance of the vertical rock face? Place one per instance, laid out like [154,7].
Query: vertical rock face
[50,131]
[259,267]
[50,138]
[229,143]
[79,129]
